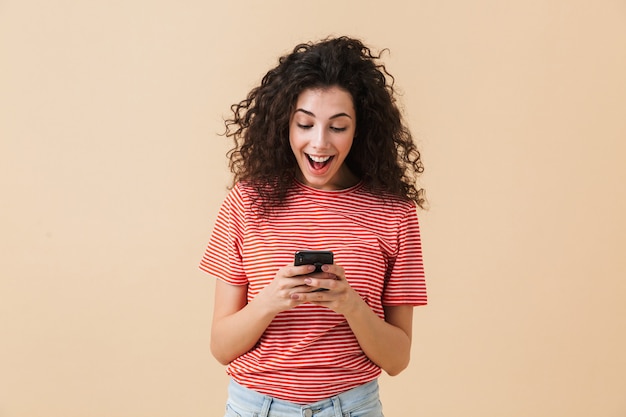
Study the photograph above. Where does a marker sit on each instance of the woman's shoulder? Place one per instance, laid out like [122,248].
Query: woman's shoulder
[384,199]
[238,195]
[243,189]
[246,195]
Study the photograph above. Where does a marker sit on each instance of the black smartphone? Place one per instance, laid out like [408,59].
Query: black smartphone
[314,257]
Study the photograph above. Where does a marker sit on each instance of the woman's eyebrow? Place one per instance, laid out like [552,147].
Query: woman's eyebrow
[331,117]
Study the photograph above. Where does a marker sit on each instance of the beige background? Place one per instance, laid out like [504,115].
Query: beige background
[111,175]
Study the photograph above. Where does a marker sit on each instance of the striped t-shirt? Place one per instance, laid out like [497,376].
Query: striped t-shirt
[309,353]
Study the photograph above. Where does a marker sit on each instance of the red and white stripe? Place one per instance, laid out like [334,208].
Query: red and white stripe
[309,353]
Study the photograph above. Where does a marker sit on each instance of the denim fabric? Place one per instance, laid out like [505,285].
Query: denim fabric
[362,401]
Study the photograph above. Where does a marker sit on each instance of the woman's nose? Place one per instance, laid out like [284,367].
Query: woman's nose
[320,138]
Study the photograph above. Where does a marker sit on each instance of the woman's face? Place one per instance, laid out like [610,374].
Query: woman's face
[321,131]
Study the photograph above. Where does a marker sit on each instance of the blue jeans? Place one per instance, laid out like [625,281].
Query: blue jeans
[362,401]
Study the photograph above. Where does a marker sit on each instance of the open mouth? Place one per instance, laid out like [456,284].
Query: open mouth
[318,162]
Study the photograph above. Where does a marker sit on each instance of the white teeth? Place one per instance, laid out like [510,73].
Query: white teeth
[319,158]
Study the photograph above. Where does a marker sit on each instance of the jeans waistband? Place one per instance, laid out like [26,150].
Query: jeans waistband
[243,400]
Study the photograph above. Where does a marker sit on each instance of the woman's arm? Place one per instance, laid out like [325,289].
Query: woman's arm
[232,331]
[387,342]
[238,325]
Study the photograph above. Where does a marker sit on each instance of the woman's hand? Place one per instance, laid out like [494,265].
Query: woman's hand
[287,288]
[330,289]
[386,342]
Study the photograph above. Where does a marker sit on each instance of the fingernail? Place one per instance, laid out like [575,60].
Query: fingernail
[308,281]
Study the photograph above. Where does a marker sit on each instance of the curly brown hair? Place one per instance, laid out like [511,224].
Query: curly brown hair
[382,155]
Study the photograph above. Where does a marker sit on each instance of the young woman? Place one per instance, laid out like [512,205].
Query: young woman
[322,161]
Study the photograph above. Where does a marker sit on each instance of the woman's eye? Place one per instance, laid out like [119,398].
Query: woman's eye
[302,126]
[338,129]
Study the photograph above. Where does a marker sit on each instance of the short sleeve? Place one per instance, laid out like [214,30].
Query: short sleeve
[405,283]
[222,257]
